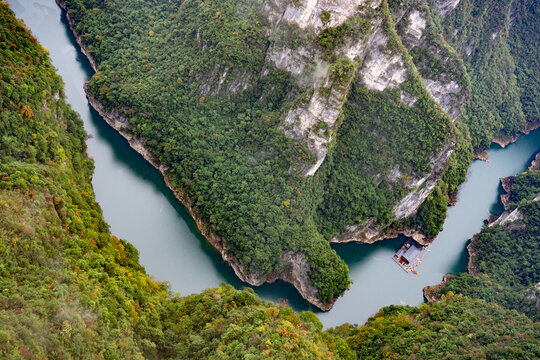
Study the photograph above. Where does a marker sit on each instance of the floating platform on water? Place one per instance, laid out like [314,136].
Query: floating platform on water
[410,255]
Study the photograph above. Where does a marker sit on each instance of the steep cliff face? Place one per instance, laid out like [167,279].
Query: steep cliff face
[441,68]
[284,125]
[314,120]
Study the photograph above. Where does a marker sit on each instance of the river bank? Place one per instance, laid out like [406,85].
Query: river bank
[483,155]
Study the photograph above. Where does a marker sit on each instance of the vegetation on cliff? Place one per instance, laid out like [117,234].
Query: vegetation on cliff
[471,318]
[209,84]
[225,151]
[504,257]
[210,104]
[498,42]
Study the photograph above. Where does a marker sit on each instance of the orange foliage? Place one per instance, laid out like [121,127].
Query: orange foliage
[27,111]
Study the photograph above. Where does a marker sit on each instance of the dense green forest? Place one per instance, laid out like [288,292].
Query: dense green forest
[197,81]
[504,258]
[71,290]
[504,272]
[226,152]
[457,327]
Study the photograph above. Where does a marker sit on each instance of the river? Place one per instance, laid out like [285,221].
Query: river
[140,208]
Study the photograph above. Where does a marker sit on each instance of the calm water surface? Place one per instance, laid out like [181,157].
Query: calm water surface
[139,207]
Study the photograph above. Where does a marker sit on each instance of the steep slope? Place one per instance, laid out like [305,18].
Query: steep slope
[246,108]
[392,148]
[68,289]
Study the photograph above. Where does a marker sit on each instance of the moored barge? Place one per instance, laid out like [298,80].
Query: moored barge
[410,255]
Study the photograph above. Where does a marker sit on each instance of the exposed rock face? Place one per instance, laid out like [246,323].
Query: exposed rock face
[431,292]
[534,294]
[506,184]
[410,203]
[417,25]
[428,49]
[511,215]
[383,69]
[370,232]
[508,216]
[535,164]
[443,93]
[328,95]
[309,13]
[444,6]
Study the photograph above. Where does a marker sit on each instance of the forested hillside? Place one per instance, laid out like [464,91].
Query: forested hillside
[503,264]
[498,41]
[71,290]
[285,125]
[456,327]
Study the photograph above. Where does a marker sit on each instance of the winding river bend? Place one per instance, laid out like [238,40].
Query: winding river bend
[140,208]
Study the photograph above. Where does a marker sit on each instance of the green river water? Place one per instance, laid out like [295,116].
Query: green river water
[139,207]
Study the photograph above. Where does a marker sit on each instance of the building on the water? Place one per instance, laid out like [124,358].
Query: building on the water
[410,255]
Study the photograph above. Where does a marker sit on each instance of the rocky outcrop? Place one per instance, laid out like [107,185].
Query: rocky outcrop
[315,121]
[533,294]
[535,164]
[370,232]
[383,69]
[308,12]
[481,155]
[423,187]
[445,6]
[431,292]
[503,142]
[506,184]
[511,213]
[508,216]
[431,54]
